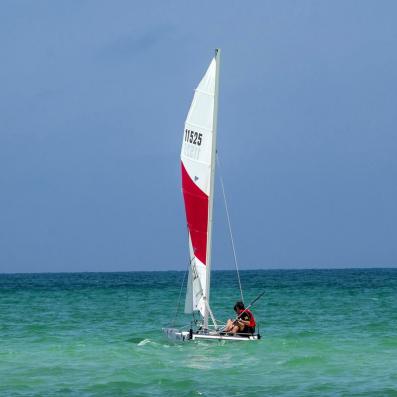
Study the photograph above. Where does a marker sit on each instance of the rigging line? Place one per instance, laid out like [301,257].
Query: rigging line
[179,299]
[230,226]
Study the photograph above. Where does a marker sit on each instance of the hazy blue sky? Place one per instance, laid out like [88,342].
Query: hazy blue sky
[93,97]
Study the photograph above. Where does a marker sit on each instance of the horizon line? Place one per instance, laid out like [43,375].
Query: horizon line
[214,270]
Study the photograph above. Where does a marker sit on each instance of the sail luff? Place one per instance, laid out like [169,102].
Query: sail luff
[212,186]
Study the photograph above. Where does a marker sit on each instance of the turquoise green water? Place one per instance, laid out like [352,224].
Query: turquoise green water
[325,333]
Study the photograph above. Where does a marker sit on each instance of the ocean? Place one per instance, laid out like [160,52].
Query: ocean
[324,333]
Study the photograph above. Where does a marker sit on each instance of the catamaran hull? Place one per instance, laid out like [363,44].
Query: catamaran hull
[183,336]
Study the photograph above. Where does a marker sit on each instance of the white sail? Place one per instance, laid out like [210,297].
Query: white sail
[197,157]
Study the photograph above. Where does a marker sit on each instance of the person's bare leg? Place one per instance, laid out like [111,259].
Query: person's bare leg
[229,326]
[237,328]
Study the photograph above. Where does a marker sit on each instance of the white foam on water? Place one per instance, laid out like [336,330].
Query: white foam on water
[144,342]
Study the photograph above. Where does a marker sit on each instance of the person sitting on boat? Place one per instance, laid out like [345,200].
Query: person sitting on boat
[244,323]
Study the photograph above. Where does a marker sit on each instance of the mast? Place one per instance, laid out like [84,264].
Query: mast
[211,195]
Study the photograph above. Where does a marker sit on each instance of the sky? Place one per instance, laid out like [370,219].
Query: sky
[93,99]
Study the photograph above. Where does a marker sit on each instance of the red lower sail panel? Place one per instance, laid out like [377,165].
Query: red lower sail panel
[196,206]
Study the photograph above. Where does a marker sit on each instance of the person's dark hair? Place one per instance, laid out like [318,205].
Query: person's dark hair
[239,306]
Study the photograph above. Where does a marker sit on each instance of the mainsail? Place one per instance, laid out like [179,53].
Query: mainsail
[198,166]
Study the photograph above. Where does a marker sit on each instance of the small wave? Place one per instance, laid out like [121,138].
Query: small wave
[150,342]
[144,342]
[305,360]
[135,340]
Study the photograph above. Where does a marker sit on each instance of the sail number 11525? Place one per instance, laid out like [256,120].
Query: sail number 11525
[193,137]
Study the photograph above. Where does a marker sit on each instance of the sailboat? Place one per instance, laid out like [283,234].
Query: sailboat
[198,160]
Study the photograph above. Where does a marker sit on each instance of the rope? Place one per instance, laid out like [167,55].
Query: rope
[230,226]
[179,299]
